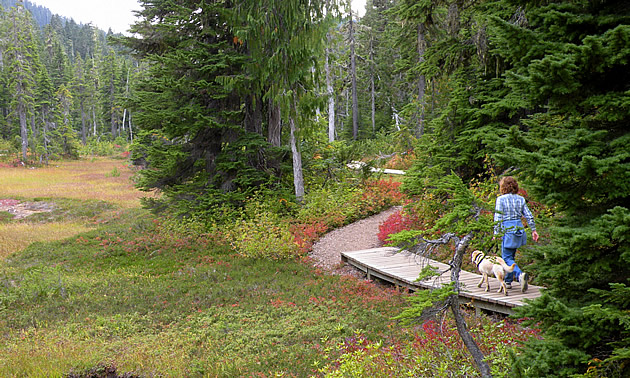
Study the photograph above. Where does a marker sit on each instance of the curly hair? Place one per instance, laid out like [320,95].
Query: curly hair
[508,185]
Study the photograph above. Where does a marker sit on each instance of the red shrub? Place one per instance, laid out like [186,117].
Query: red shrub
[398,221]
[306,234]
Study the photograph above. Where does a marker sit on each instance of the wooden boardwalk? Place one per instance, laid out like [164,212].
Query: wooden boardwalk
[403,268]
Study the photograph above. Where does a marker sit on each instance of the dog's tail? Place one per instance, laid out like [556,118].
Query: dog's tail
[509,268]
[506,267]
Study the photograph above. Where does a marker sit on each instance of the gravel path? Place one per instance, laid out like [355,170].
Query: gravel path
[326,253]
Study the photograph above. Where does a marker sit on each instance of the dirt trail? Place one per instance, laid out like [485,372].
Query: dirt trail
[362,234]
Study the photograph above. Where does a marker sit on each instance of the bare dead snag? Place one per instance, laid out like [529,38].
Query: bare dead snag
[425,248]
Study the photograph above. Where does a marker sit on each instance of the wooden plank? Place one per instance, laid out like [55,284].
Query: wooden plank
[403,268]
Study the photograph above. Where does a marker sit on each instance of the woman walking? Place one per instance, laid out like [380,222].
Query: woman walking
[510,208]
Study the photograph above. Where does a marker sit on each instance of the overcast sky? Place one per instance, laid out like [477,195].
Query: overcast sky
[114,14]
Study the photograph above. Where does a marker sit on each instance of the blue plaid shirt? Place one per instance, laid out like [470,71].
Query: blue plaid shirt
[512,207]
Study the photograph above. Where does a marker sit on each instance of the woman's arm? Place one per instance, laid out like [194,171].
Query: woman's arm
[498,215]
[529,217]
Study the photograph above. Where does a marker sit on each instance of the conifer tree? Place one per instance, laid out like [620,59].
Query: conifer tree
[45,109]
[21,59]
[55,58]
[80,89]
[284,42]
[542,88]
[189,106]
[377,71]
[569,73]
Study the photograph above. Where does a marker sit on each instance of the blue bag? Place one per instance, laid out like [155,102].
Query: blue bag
[515,235]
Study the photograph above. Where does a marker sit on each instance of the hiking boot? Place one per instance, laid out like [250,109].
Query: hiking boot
[508,285]
[523,281]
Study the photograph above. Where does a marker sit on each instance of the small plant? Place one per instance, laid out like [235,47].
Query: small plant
[114,172]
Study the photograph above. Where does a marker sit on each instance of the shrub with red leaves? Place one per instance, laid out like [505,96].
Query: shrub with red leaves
[306,234]
[399,221]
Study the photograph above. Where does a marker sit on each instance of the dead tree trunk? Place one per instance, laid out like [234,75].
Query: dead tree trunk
[453,301]
[424,248]
[353,73]
[274,131]
[331,95]
[298,177]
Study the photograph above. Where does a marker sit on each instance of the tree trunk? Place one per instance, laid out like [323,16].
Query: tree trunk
[130,128]
[298,178]
[462,327]
[331,95]
[253,114]
[83,125]
[275,125]
[124,119]
[373,97]
[422,45]
[94,120]
[353,73]
[114,126]
[23,131]
[453,25]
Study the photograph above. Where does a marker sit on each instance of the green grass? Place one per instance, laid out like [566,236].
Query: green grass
[99,286]
[67,218]
[132,296]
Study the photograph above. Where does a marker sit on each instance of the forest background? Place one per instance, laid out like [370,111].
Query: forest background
[224,102]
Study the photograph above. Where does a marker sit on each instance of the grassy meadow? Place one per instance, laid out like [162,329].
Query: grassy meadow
[100,287]
[101,179]
[79,193]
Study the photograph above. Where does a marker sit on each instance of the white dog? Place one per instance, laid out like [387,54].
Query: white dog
[491,265]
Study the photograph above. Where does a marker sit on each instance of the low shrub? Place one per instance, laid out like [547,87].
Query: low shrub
[262,237]
[117,149]
[402,161]
[434,349]
[400,220]
[267,228]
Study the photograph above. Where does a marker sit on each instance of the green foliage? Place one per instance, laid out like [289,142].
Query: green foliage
[259,233]
[268,227]
[96,147]
[450,205]
[539,90]
[8,150]
[172,292]
[572,150]
[423,303]
[55,82]
[433,349]
[201,125]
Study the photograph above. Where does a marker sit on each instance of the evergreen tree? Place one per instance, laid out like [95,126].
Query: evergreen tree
[573,145]
[55,58]
[45,108]
[377,76]
[284,43]
[80,89]
[64,131]
[21,59]
[189,108]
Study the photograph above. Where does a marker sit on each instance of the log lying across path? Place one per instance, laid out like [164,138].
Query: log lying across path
[402,269]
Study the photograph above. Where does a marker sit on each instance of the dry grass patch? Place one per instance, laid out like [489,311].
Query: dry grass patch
[100,179]
[14,237]
[103,179]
